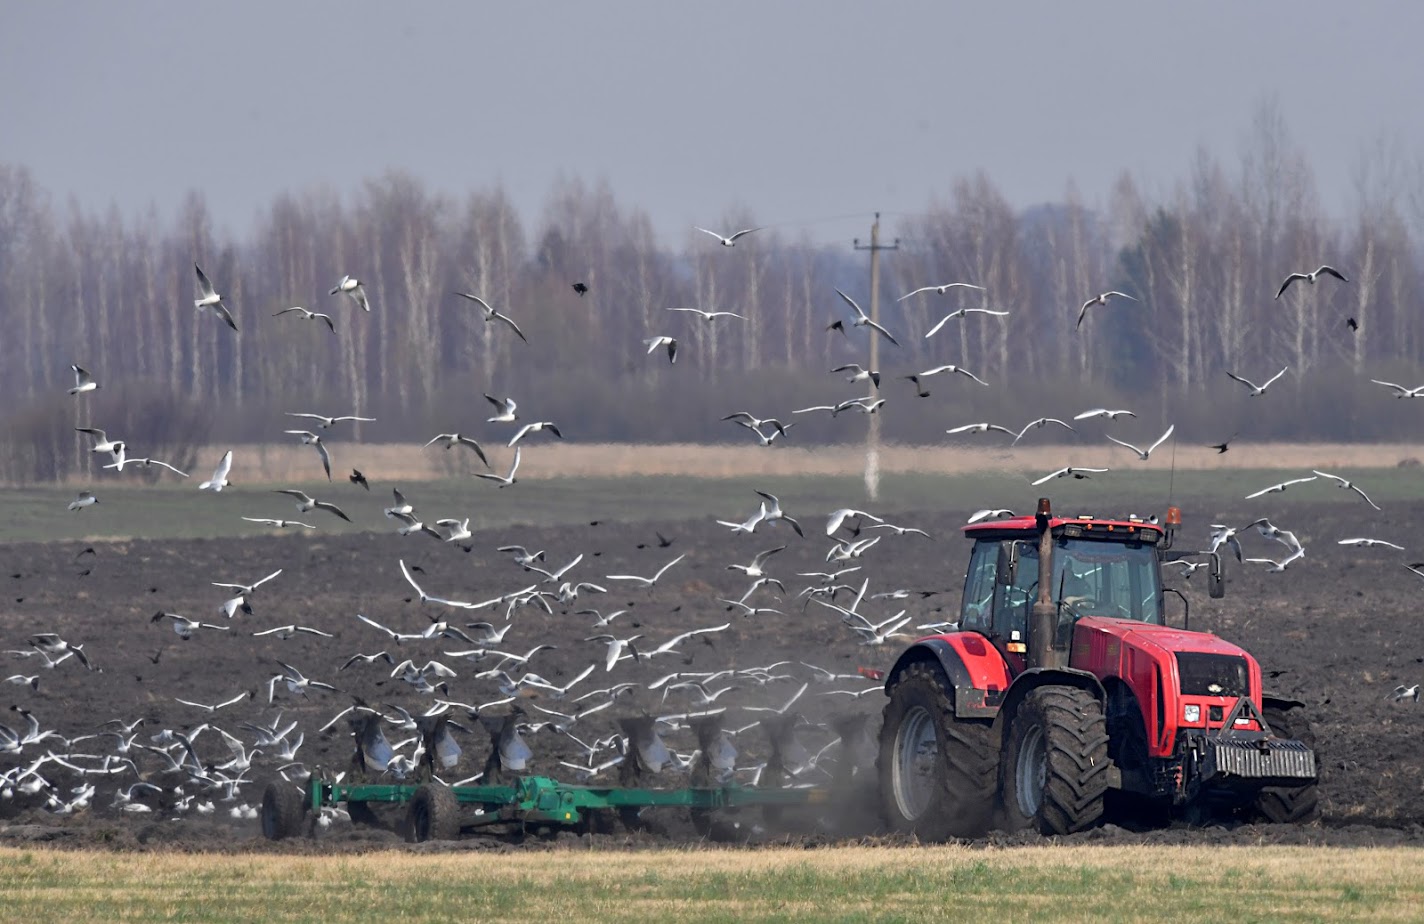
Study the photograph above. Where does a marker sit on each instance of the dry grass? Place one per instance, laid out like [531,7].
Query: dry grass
[283,462]
[1029,883]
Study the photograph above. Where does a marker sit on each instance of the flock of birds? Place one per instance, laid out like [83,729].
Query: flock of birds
[470,673]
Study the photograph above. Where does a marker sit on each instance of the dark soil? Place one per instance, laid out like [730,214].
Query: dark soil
[1338,631]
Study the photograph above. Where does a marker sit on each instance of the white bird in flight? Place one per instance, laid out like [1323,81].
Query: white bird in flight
[982,427]
[308,315]
[312,439]
[211,301]
[1278,488]
[504,480]
[670,343]
[863,320]
[709,316]
[1310,278]
[1370,543]
[950,368]
[987,513]
[326,423]
[306,503]
[1144,453]
[503,408]
[1400,390]
[451,440]
[352,286]
[536,427]
[647,582]
[83,499]
[1100,300]
[279,524]
[83,381]
[1039,424]
[1348,485]
[940,290]
[1103,412]
[727,241]
[961,313]
[1257,390]
[219,479]
[492,315]
[1070,472]
[1284,563]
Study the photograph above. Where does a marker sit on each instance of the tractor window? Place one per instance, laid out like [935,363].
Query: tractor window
[1107,579]
[1012,602]
[974,609]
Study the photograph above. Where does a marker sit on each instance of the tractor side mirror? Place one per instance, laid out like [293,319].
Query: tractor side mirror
[1008,564]
[1216,578]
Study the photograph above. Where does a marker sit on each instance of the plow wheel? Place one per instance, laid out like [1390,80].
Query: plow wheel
[936,772]
[1054,772]
[434,814]
[283,811]
[1299,804]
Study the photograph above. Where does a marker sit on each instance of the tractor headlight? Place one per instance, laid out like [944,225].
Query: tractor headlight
[1191,714]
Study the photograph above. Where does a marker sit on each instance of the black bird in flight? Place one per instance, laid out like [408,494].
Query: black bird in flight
[358,478]
[581,288]
[1352,324]
[1222,446]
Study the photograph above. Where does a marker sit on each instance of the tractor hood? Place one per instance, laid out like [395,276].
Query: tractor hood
[1164,639]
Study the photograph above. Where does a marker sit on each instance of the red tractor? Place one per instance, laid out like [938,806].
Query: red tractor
[1064,683]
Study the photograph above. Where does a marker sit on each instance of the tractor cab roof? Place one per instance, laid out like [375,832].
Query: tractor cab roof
[1085,526]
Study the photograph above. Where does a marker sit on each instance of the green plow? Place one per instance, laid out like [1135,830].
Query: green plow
[438,812]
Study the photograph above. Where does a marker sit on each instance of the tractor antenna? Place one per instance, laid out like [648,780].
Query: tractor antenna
[1172,476]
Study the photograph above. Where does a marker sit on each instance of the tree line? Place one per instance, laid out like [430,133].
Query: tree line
[114,293]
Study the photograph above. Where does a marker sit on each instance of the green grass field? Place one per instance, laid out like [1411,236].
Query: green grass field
[169,511]
[1085,883]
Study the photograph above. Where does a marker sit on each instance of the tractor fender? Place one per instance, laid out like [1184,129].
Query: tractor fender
[1036,677]
[975,673]
[1280,702]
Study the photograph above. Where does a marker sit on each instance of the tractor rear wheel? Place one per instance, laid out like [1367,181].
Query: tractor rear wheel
[283,810]
[434,814]
[936,772]
[1298,804]
[1054,772]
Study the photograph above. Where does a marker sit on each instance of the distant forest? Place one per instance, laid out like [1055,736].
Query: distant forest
[114,293]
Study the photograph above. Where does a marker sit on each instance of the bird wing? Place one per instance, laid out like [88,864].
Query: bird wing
[325,458]
[1052,475]
[977,379]
[1128,445]
[884,332]
[221,310]
[997,314]
[520,435]
[1120,295]
[851,302]
[942,321]
[1289,279]
[1232,375]
[718,237]
[917,292]
[750,230]
[512,326]
[1161,439]
[1332,271]
[1356,488]
[477,300]
[515,467]
[1399,388]
[1273,378]
[225,466]
[323,505]
[204,285]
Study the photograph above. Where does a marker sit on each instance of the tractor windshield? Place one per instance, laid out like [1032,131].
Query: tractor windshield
[1090,578]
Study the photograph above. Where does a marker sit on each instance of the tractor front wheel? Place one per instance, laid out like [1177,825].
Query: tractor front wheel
[1054,771]
[434,814]
[1297,804]
[936,771]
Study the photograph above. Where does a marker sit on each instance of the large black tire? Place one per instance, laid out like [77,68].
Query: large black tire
[1299,804]
[936,772]
[434,814]
[283,810]
[1054,772]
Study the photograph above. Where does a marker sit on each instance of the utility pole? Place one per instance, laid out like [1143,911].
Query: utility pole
[872,434]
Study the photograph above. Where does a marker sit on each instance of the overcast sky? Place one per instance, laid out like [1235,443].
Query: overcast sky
[798,112]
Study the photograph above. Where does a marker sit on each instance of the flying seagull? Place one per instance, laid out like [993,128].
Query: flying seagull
[308,315]
[492,315]
[1400,390]
[857,374]
[727,241]
[83,381]
[211,301]
[1257,390]
[352,287]
[961,313]
[647,582]
[309,438]
[941,290]
[1103,412]
[1144,453]
[278,524]
[1070,472]
[504,480]
[219,479]
[306,503]
[503,410]
[1100,300]
[982,427]
[663,341]
[1310,278]
[1369,543]
[1348,485]
[960,370]
[1040,423]
[1278,488]
[326,423]
[82,500]
[535,428]
[989,513]
[863,320]
[451,440]
[710,316]
[102,443]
